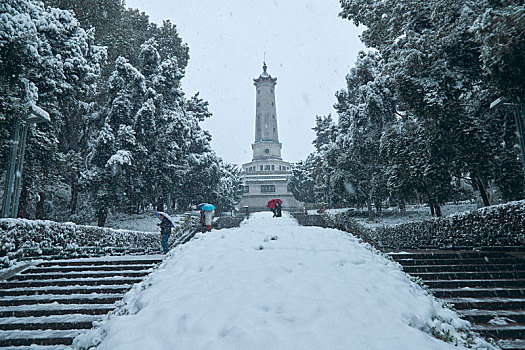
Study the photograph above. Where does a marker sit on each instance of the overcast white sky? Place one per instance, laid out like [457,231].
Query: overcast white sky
[308,48]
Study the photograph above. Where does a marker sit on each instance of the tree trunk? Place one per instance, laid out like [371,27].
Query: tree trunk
[431,204]
[402,206]
[74,195]
[369,206]
[483,192]
[438,210]
[102,214]
[39,211]
[24,199]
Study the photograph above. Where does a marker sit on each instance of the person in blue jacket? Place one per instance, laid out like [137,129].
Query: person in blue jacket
[165,232]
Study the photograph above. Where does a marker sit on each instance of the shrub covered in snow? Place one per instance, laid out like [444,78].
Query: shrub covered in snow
[20,238]
[499,225]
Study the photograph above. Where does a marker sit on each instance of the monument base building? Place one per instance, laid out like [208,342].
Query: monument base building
[266,177]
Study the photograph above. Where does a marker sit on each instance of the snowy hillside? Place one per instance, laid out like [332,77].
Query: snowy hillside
[272,284]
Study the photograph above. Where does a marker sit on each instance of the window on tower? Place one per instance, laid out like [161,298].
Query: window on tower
[258,91]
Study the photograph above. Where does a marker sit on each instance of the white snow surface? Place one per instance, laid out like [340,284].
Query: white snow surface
[146,222]
[272,284]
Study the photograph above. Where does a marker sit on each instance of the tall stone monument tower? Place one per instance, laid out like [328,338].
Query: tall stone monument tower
[266,176]
[266,144]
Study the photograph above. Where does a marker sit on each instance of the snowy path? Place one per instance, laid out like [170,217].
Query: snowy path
[272,284]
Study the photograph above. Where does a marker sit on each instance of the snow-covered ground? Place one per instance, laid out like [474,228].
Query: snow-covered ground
[413,213]
[145,222]
[272,284]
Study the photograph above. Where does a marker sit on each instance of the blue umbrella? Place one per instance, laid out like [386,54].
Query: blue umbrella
[208,207]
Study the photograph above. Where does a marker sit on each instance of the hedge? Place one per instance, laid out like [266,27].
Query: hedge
[495,226]
[20,237]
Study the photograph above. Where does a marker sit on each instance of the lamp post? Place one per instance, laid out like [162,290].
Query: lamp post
[16,159]
[519,111]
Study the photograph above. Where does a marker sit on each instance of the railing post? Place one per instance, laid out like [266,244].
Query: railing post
[19,169]
[10,178]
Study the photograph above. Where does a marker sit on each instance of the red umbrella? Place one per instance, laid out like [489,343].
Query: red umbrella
[271,203]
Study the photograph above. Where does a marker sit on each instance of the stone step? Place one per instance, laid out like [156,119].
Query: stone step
[46,325]
[488,275]
[36,347]
[102,299]
[493,316]
[69,282]
[464,268]
[80,274]
[471,261]
[478,283]
[118,289]
[479,292]
[486,303]
[77,309]
[452,255]
[42,269]
[511,344]
[515,331]
[39,337]
[69,321]
[99,261]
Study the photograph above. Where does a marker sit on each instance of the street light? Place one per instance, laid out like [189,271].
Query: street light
[518,109]
[16,158]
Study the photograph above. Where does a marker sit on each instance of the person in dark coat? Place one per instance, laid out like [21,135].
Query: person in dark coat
[277,210]
[165,232]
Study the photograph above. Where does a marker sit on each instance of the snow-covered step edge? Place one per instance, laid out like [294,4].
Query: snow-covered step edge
[37,347]
[72,279]
[39,334]
[474,312]
[59,297]
[51,319]
[478,328]
[66,288]
[484,289]
[55,306]
[470,273]
[84,272]
[158,257]
[511,344]
[132,267]
[483,300]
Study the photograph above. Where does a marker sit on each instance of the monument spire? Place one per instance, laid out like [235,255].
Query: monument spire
[266,143]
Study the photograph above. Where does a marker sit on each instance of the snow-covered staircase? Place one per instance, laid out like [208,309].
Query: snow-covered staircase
[485,287]
[50,302]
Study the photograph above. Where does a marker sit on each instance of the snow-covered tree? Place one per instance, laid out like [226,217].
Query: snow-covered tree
[123,31]
[303,182]
[432,51]
[500,31]
[47,58]
[365,107]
